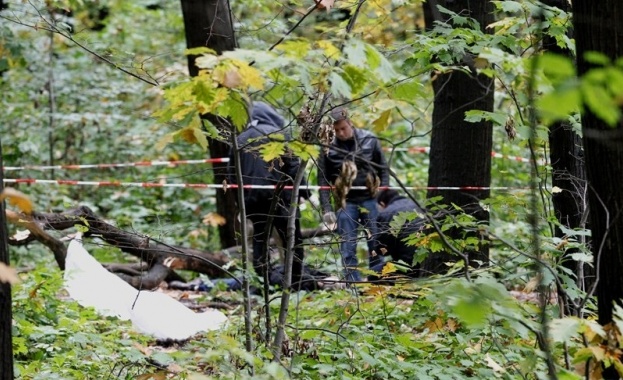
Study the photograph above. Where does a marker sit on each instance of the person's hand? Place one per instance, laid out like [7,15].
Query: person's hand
[329,219]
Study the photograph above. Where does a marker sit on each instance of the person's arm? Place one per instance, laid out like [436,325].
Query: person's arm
[379,158]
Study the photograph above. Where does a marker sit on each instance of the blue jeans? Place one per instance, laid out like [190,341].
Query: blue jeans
[357,214]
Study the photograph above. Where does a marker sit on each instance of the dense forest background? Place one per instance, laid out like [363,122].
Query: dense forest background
[486,109]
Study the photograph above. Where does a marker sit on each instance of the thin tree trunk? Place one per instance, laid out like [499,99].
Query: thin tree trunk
[460,153]
[6,317]
[598,29]
[209,24]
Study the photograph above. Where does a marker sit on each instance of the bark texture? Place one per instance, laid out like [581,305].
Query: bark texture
[598,28]
[209,24]
[6,316]
[460,153]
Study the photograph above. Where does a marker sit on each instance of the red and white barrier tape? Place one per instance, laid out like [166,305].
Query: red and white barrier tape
[207,160]
[119,165]
[417,149]
[234,186]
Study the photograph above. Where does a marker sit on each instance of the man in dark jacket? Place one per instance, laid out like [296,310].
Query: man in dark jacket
[266,124]
[391,203]
[354,159]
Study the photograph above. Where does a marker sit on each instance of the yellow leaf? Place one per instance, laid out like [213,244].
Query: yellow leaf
[382,122]
[8,274]
[388,268]
[330,51]
[213,219]
[164,141]
[18,199]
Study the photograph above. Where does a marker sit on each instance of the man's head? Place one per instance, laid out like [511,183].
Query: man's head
[342,125]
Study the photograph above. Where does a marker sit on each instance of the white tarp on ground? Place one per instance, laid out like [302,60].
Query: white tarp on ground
[151,313]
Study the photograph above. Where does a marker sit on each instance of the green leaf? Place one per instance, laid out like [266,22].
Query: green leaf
[559,104]
[203,92]
[407,91]
[600,103]
[339,87]
[472,311]
[557,67]
[355,77]
[475,116]
[295,48]
[563,329]
[510,6]
[356,53]
[272,150]
[304,151]
[596,58]
[199,50]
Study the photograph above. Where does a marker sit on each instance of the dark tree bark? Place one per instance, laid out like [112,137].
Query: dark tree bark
[460,153]
[208,23]
[598,28]
[6,316]
[568,174]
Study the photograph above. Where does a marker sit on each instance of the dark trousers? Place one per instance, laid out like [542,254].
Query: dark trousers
[259,215]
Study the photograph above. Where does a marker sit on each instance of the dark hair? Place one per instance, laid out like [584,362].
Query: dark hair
[386,196]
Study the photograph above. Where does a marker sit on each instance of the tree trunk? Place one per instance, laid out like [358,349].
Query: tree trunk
[598,28]
[460,153]
[209,23]
[6,317]
[568,174]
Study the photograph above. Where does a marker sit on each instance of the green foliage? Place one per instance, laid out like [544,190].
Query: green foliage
[439,328]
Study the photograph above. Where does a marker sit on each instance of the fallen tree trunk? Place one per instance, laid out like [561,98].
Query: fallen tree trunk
[158,260]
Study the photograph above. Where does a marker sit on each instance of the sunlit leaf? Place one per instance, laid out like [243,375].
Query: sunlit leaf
[18,199]
[199,50]
[330,50]
[304,151]
[213,219]
[272,150]
[295,48]
[382,122]
[600,103]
